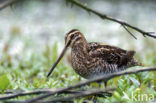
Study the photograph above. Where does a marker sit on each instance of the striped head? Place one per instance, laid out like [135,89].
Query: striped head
[73,37]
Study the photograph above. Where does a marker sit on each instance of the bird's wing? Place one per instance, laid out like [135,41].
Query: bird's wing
[110,54]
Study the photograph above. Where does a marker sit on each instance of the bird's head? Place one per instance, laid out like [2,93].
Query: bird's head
[73,37]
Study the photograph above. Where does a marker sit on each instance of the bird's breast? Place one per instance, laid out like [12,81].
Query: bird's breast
[79,63]
[86,66]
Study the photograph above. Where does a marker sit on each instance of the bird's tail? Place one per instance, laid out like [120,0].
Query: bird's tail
[132,61]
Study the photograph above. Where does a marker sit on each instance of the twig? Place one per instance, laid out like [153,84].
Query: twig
[36,92]
[7,3]
[104,16]
[85,93]
[22,101]
[102,78]
[129,31]
[13,101]
[77,93]
[11,91]
[24,93]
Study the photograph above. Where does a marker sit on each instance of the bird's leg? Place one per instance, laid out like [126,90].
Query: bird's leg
[99,85]
[105,82]
[80,78]
[94,99]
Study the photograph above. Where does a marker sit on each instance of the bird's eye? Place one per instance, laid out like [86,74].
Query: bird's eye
[72,36]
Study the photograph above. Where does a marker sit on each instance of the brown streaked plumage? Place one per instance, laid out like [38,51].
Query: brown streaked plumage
[94,59]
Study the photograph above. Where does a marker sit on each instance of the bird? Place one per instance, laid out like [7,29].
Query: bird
[94,59]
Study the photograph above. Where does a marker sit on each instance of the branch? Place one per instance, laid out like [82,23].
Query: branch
[7,3]
[104,16]
[102,78]
[36,92]
[85,93]
[11,91]
[129,32]
[76,94]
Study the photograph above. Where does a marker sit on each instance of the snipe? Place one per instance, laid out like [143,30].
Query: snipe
[94,59]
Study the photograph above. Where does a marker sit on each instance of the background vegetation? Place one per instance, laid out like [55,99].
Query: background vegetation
[32,35]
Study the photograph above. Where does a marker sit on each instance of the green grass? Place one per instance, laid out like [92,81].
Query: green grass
[28,71]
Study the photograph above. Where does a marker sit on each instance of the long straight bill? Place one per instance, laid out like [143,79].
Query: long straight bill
[64,50]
